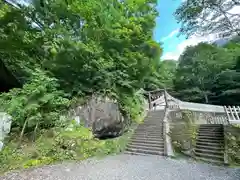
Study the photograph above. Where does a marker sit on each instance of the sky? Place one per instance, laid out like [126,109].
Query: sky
[167,28]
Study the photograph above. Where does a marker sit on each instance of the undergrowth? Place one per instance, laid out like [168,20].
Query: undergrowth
[56,145]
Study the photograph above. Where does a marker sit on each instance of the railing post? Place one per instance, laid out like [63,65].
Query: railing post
[149,101]
[168,150]
[165,98]
[225,146]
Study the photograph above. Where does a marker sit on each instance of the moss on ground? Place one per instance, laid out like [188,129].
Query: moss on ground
[55,145]
[233,145]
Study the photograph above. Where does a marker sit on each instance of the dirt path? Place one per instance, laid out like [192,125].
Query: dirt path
[127,167]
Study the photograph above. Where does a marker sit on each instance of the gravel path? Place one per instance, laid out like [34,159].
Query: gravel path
[127,167]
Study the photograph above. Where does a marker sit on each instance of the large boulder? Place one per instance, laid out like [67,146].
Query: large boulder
[107,128]
[103,115]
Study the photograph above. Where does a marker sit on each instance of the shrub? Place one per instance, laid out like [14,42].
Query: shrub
[73,142]
[39,104]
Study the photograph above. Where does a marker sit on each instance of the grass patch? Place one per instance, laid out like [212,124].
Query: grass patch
[56,145]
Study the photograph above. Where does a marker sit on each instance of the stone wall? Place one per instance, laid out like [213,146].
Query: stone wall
[232,144]
[183,133]
[200,117]
[5,126]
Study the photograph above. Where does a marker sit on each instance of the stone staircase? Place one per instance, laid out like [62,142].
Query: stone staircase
[148,137]
[210,143]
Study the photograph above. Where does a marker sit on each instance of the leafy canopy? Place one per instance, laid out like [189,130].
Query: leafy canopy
[208,17]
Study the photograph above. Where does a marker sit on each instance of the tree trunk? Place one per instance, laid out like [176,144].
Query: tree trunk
[206,98]
[35,132]
[22,132]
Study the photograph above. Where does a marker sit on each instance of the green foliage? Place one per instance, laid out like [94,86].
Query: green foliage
[162,76]
[203,74]
[133,105]
[92,46]
[183,134]
[233,145]
[208,17]
[69,143]
[111,48]
[38,103]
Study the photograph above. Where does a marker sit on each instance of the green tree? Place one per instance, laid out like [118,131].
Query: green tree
[208,17]
[105,45]
[226,87]
[197,69]
[167,72]
[92,46]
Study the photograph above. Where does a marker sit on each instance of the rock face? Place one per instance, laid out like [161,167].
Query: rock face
[108,121]
[103,116]
[107,128]
[5,126]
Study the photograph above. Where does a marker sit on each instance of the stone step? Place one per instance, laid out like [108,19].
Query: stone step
[158,130]
[210,130]
[149,141]
[158,139]
[159,144]
[210,160]
[216,148]
[135,153]
[156,111]
[211,125]
[210,156]
[145,151]
[153,123]
[131,146]
[150,126]
[210,134]
[147,136]
[210,140]
[207,151]
[151,129]
[155,130]
[148,133]
[213,144]
[161,113]
[153,118]
[210,137]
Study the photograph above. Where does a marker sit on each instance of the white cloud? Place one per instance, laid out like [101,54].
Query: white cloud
[170,55]
[194,40]
[173,33]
